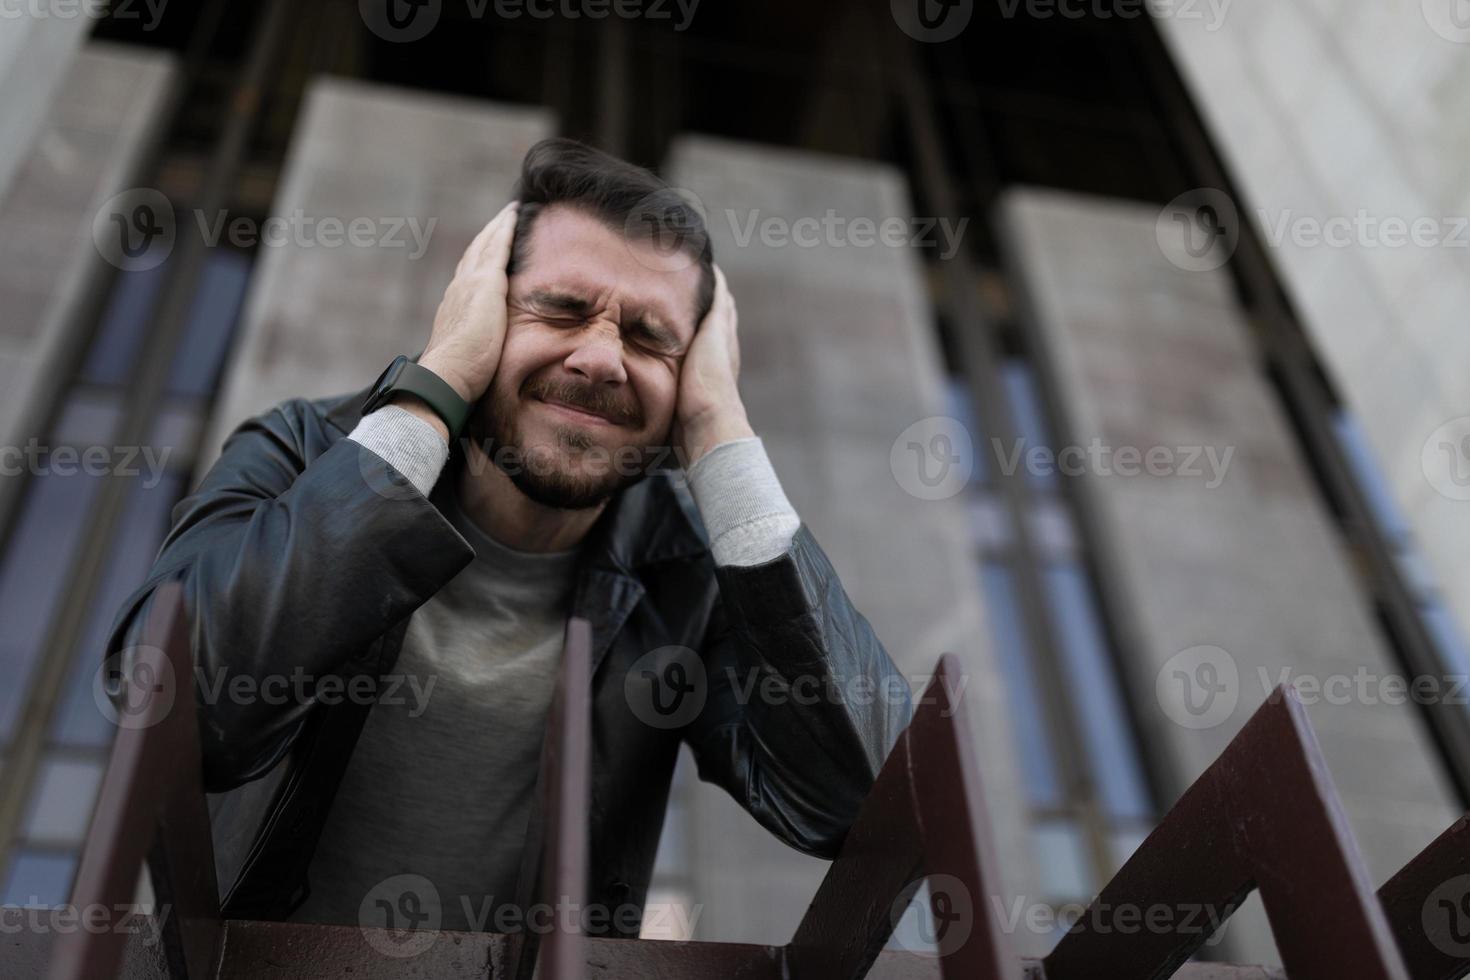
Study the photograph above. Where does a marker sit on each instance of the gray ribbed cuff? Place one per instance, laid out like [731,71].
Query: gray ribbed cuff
[744,509]
[406,442]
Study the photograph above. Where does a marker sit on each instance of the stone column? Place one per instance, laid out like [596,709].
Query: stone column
[425,173]
[839,355]
[1219,557]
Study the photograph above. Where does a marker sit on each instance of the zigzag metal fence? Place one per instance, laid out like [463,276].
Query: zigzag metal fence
[1264,816]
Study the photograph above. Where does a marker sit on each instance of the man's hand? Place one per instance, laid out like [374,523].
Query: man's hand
[469,328]
[709,410]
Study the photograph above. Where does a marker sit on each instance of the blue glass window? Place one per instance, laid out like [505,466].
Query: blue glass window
[1088,668]
[77,720]
[1038,754]
[38,879]
[33,576]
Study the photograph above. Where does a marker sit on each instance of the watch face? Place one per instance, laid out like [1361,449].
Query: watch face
[385,381]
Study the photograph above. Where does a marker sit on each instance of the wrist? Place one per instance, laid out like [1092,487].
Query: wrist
[709,429]
[420,409]
[449,376]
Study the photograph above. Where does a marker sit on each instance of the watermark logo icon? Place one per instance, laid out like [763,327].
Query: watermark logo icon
[1445,917]
[400,21]
[400,916]
[1198,688]
[1199,230]
[135,688]
[135,229]
[932,21]
[666,688]
[672,220]
[1445,459]
[948,925]
[1450,19]
[933,459]
[382,478]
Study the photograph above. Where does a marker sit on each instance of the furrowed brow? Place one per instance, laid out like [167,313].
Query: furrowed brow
[562,302]
[656,331]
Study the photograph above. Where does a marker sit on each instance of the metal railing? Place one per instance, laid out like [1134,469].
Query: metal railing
[151,807]
[1265,816]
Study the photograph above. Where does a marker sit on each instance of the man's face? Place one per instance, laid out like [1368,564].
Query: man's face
[596,332]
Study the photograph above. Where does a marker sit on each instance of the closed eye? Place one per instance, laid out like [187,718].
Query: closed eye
[654,337]
[655,341]
[559,306]
[567,310]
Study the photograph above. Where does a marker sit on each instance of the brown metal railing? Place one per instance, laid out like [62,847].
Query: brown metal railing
[150,808]
[924,816]
[1265,816]
[1428,907]
[566,768]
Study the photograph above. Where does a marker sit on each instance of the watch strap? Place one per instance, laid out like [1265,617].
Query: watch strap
[435,392]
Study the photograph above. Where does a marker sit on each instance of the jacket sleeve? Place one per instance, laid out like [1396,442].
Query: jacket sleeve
[803,702]
[290,570]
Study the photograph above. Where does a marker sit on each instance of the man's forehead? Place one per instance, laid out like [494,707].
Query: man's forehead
[580,283]
[575,255]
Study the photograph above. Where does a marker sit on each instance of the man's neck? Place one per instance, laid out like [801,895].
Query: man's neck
[499,508]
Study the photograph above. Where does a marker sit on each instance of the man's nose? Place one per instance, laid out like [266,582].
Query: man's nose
[598,355]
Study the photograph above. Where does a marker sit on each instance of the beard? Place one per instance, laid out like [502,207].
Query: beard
[570,472]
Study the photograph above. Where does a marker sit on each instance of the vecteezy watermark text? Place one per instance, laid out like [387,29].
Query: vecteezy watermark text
[138,228]
[669,686]
[401,916]
[1364,229]
[301,687]
[1364,686]
[1211,12]
[406,21]
[134,690]
[1200,688]
[126,919]
[1099,459]
[35,459]
[1124,918]
[937,21]
[934,459]
[309,231]
[953,908]
[149,11]
[833,230]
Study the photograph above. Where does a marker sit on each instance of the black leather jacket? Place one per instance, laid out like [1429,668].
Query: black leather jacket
[294,558]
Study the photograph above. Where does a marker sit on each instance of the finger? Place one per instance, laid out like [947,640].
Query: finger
[470,250]
[729,308]
[495,249]
[716,306]
[734,333]
[500,218]
[477,244]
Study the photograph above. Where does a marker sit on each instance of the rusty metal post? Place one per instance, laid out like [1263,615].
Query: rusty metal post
[925,815]
[565,786]
[1428,907]
[568,796]
[151,806]
[1265,816]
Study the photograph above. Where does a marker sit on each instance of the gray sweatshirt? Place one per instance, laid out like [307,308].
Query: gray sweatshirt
[437,793]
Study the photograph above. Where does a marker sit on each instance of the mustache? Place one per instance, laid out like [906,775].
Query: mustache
[620,409]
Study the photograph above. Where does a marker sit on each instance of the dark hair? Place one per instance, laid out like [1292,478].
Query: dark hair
[627,198]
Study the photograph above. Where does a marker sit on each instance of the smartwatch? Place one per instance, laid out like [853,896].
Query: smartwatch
[404,375]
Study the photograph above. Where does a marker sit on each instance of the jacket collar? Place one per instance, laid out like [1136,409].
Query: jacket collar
[652,521]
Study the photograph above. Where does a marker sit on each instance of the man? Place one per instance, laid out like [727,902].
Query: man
[364,539]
